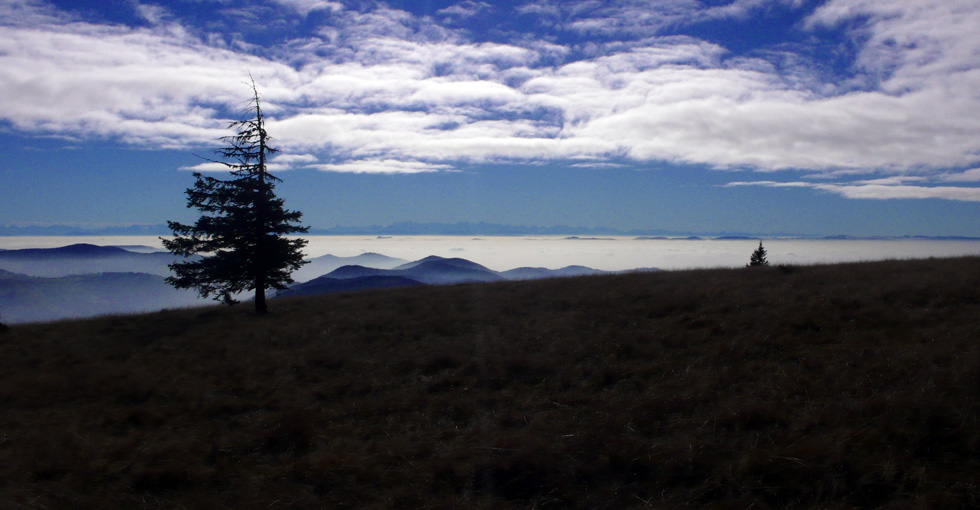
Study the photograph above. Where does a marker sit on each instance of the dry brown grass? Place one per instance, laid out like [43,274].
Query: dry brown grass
[838,386]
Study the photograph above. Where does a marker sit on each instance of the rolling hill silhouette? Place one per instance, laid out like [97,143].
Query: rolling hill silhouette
[533,273]
[431,270]
[85,259]
[34,299]
[320,266]
[83,280]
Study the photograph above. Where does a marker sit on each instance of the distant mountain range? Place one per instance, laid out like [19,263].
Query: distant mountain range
[472,228]
[322,265]
[74,230]
[534,273]
[464,228]
[33,299]
[84,280]
[430,270]
[399,228]
[86,259]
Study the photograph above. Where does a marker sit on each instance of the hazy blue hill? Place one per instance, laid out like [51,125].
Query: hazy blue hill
[448,271]
[80,250]
[354,271]
[576,271]
[7,276]
[534,273]
[371,259]
[527,273]
[431,270]
[82,280]
[85,259]
[320,266]
[453,262]
[435,270]
[327,285]
[32,299]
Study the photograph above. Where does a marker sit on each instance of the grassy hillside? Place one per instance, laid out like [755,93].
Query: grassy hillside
[839,386]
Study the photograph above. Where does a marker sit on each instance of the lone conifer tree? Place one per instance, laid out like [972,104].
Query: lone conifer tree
[242,227]
[758,257]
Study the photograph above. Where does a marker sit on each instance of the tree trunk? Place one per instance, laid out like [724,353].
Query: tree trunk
[260,307]
[260,231]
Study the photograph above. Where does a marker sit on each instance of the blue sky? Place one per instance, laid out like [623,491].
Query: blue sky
[818,117]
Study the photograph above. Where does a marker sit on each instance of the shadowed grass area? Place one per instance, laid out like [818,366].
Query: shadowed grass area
[840,386]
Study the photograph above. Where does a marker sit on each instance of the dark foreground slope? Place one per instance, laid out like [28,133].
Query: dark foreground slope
[819,387]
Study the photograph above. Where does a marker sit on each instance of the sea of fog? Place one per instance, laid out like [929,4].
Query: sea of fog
[606,253]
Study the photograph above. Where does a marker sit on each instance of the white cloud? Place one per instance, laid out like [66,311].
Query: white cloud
[155,86]
[545,8]
[294,159]
[385,23]
[207,166]
[895,180]
[598,164]
[972,175]
[442,92]
[383,86]
[383,166]
[28,13]
[878,191]
[154,14]
[912,44]
[282,162]
[773,131]
[464,9]
[305,7]
[635,18]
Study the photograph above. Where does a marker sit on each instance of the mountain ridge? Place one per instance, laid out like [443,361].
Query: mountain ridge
[26,298]
[45,284]
[435,270]
[83,258]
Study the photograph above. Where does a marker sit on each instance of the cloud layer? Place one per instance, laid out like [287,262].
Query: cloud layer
[368,88]
[878,191]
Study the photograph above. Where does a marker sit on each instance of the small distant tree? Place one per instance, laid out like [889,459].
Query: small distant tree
[240,233]
[758,257]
